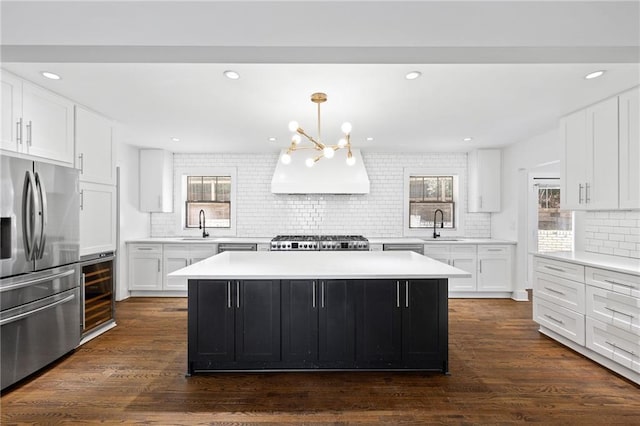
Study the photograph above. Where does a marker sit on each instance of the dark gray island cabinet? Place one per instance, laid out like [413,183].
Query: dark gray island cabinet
[354,324]
[283,311]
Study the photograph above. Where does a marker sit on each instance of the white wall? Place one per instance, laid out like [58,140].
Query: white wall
[542,153]
[133,223]
[377,214]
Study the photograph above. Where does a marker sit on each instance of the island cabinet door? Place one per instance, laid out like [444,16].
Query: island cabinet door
[211,323]
[425,323]
[257,321]
[336,328]
[300,303]
[378,318]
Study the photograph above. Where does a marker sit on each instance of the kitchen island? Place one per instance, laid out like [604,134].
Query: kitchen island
[275,311]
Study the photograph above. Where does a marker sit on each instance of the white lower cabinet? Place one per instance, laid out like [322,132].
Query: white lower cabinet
[594,311]
[494,268]
[490,267]
[97,218]
[145,267]
[177,256]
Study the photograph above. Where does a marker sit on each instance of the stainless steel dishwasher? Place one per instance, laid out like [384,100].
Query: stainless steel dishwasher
[418,248]
[237,247]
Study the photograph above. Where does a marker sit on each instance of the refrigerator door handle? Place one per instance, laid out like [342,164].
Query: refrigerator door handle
[29,313]
[37,281]
[42,191]
[29,203]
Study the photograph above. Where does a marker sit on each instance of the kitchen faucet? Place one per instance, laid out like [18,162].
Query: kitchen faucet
[435,216]
[202,224]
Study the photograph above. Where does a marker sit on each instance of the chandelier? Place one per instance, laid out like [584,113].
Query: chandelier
[321,149]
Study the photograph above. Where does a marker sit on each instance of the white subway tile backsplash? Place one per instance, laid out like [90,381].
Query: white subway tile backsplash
[613,232]
[377,214]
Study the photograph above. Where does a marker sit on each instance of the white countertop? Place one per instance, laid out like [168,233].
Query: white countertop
[267,240]
[236,265]
[625,265]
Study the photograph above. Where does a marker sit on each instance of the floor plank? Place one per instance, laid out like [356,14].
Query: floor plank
[502,371]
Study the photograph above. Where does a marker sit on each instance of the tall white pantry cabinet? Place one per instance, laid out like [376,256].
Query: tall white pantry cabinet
[95,158]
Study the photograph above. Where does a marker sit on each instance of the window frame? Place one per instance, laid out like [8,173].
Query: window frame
[180,182]
[459,175]
[203,201]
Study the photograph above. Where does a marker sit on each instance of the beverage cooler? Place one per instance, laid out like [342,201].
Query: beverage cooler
[97,293]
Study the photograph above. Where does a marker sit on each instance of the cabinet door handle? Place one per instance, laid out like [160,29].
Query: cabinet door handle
[228,294]
[618,312]
[406,301]
[554,319]
[453,262]
[553,290]
[144,248]
[313,295]
[81,158]
[29,133]
[587,200]
[397,294]
[618,347]
[481,201]
[237,294]
[322,295]
[480,264]
[19,131]
[82,284]
[617,283]
[82,199]
[554,269]
[579,193]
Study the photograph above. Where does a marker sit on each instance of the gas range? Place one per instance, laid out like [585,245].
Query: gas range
[319,242]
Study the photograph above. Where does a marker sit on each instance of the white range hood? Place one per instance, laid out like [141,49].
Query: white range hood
[327,176]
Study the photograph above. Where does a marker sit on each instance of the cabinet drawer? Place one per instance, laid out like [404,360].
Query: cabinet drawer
[560,269]
[615,281]
[146,248]
[464,250]
[566,293]
[493,250]
[614,308]
[611,342]
[437,249]
[565,322]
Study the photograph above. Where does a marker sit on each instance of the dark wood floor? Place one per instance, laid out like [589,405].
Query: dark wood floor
[502,371]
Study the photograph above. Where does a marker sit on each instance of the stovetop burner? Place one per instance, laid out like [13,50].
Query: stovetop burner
[319,242]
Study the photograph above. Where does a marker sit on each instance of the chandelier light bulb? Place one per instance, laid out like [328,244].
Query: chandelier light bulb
[296,139]
[293,126]
[286,158]
[351,160]
[328,152]
[346,127]
[342,143]
[309,162]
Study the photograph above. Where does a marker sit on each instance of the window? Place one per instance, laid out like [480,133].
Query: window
[428,194]
[212,194]
[555,226]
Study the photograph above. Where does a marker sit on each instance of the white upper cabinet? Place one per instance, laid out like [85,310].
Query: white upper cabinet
[591,157]
[97,218]
[94,147]
[156,181]
[11,112]
[629,174]
[485,168]
[36,122]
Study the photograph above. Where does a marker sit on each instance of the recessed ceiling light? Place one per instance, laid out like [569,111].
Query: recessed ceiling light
[50,75]
[594,74]
[175,139]
[413,75]
[272,139]
[231,75]
[370,138]
[467,139]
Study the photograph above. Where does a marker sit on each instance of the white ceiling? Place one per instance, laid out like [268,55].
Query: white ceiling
[499,72]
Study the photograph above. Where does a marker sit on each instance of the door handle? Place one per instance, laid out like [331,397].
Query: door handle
[42,191]
[81,158]
[228,294]
[579,193]
[237,294]
[29,133]
[407,294]
[29,204]
[322,295]
[313,295]
[84,314]
[19,131]
[397,294]
[587,200]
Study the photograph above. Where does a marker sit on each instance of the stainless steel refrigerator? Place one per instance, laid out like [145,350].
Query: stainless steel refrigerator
[39,255]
